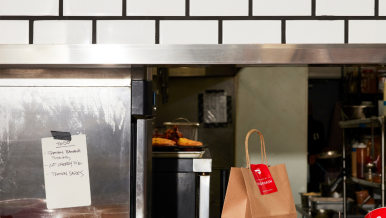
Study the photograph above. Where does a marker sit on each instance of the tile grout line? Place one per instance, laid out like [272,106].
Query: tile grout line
[313,8]
[283,32]
[124,8]
[187,8]
[250,8]
[220,32]
[60,8]
[94,30]
[346,31]
[31,32]
[157,32]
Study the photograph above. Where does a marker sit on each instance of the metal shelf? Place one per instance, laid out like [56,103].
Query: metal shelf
[361,123]
[366,183]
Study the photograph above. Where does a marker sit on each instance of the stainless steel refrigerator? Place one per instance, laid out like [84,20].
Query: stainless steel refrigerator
[111,107]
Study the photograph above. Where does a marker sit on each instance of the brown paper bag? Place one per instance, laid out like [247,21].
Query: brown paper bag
[243,198]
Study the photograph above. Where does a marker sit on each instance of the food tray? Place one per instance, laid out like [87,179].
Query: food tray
[331,204]
[176,146]
[178,154]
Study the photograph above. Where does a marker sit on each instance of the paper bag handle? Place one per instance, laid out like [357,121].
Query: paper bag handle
[262,148]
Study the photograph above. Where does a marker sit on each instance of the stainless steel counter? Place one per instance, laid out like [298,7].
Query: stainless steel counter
[305,214]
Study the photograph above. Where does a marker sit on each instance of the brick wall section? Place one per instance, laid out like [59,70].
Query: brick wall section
[192,21]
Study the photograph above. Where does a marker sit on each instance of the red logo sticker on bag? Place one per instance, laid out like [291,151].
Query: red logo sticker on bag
[263,179]
[377,213]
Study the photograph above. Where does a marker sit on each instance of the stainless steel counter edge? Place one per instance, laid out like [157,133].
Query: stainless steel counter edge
[203,164]
[250,54]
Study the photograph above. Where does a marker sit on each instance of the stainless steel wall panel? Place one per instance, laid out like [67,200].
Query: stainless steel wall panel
[28,114]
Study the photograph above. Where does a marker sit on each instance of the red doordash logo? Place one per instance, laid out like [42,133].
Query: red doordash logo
[263,179]
[377,213]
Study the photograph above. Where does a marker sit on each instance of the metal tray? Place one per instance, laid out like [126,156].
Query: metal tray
[178,154]
[331,204]
[176,146]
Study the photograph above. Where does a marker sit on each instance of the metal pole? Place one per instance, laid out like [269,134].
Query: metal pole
[383,161]
[344,178]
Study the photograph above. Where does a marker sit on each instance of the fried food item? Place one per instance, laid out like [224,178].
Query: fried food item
[163,142]
[188,142]
[173,134]
[158,135]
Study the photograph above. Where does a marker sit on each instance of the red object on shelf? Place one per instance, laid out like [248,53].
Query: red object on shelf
[377,213]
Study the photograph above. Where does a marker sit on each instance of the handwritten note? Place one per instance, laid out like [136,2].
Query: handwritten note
[66,174]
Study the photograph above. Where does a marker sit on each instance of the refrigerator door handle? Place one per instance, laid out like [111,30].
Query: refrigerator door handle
[143,170]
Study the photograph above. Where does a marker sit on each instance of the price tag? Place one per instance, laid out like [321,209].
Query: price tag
[263,179]
[66,173]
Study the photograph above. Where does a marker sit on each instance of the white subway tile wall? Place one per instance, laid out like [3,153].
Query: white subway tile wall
[155,7]
[92,7]
[314,31]
[14,32]
[281,7]
[251,31]
[188,32]
[29,7]
[345,7]
[367,31]
[382,7]
[155,21]
[62,32]
[126,32]
[218,8]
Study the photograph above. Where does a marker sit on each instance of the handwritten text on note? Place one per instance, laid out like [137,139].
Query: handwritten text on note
[66,172]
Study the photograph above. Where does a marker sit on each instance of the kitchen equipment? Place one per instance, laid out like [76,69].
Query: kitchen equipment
[362,197]
[368,81]
[335,204]
[381,80]
[322,213]
[361,160]
[358,112]
[188,129]
[306,198]
[369,171]
[367,207]
[329,159]
[325,190]
[181,182]
[377,177]
[99,103]
[354,159]
[178,154]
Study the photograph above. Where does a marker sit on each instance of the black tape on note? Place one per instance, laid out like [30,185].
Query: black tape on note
[61,135]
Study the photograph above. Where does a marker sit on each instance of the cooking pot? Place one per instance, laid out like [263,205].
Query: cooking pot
[306,198]
[330,159]
[358,112]
[322,213]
